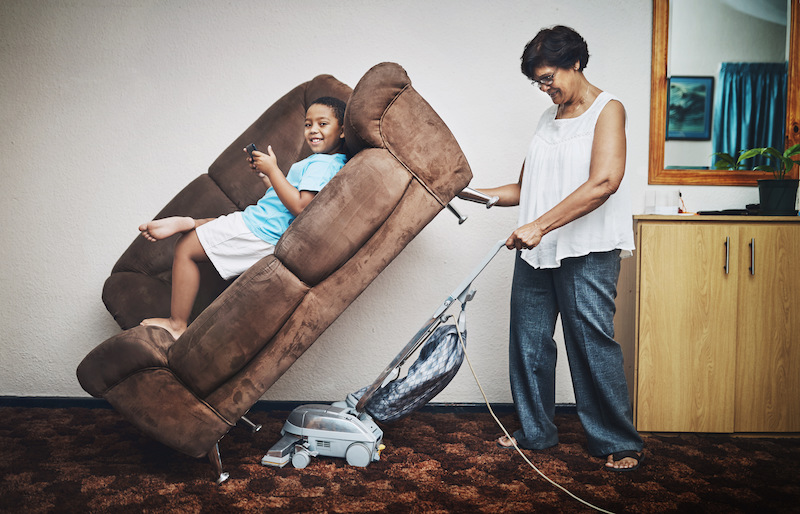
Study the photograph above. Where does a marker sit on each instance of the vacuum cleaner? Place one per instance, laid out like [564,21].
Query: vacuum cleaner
[347,429]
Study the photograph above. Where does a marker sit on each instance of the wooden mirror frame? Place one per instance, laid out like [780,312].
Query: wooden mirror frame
[658,109]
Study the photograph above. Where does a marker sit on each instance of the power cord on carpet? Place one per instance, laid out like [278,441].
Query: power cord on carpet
[513,441]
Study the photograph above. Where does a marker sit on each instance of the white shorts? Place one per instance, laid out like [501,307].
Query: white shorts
[230,246]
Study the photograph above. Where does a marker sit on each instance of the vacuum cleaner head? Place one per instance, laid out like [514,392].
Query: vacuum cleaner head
[335,430]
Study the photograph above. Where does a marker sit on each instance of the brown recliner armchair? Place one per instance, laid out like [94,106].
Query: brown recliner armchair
[405,167]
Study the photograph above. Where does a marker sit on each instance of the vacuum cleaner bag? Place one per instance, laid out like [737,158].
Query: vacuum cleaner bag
[437,364]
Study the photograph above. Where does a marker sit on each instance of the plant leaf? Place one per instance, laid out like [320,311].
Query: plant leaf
[725,161]
[787,163]
[749,154]
[772,153]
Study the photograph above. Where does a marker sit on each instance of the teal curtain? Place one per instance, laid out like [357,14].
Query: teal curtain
[749,106]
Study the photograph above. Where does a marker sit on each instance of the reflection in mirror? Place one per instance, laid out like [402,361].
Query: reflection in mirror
[691,41]
[738,37]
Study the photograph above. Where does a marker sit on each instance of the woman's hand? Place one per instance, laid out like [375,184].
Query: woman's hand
[525,237]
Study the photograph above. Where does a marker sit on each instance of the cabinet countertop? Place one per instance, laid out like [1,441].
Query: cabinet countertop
[702,217]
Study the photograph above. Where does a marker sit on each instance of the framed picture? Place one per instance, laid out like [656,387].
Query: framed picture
[689,108]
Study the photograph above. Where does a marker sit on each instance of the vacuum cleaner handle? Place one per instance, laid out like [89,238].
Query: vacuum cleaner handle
[463,287]
[460,293]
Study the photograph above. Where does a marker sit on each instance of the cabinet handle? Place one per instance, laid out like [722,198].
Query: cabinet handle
[727,254]
[753,256]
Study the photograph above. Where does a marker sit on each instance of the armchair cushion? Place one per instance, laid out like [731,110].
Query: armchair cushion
[223,339]
[353,211]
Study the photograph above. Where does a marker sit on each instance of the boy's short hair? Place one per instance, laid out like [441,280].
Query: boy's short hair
[335,104]
[558,46]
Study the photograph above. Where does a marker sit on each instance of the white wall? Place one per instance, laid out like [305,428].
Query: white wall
[110,107]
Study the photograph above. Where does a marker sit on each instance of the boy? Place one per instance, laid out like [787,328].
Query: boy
[234,242]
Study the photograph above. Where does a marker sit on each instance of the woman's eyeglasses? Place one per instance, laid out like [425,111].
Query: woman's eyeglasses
[546,80]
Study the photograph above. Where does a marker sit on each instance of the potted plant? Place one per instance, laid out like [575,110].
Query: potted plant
[778,196]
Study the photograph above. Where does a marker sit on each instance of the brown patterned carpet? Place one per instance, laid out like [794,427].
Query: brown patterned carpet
[92,460]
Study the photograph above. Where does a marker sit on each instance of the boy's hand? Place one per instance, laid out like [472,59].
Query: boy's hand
[265,163]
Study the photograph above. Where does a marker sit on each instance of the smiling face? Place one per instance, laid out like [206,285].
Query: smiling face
[553,81]
[323,131]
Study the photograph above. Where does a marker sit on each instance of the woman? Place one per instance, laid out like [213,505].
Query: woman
[574,223]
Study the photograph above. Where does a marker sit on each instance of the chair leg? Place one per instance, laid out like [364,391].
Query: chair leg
[252,426]
[216,461]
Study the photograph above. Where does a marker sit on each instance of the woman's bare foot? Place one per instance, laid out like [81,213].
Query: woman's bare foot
[173,327]
[625,461]
[165,227]
[506,442]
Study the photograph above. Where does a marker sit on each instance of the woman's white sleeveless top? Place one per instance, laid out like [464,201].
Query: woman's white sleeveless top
[557,163]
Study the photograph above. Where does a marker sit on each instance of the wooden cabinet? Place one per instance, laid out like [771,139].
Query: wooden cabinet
[717,331]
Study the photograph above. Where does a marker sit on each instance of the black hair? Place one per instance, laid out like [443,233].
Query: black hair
[335,104]
[558,46]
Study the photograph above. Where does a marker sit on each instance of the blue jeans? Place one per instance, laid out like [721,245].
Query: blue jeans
[582,290]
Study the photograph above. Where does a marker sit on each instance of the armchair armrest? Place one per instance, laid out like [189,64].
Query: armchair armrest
[121,356]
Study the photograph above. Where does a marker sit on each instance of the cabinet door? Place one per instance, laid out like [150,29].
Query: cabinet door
[768,354]
[686,327]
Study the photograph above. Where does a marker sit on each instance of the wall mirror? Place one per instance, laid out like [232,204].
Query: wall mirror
[689,161]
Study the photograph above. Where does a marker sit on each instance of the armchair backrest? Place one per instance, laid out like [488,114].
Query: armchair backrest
[395,137]
[281,126]
[139,285]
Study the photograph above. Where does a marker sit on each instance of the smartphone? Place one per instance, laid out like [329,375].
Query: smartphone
[250,149]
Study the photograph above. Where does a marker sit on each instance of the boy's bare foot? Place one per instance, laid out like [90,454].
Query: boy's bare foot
[165,227]
[176,329]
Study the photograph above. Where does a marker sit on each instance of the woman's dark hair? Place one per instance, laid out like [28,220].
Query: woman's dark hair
[558,46]
[335,104]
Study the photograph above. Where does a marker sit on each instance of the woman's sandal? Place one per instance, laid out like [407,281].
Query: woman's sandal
[626,454]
